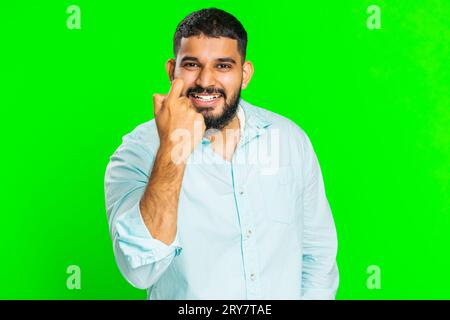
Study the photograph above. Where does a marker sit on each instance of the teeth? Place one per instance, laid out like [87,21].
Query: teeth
[206,98]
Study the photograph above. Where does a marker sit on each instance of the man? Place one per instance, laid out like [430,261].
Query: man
[216,198]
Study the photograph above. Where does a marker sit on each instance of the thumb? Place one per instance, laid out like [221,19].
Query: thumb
[158,100]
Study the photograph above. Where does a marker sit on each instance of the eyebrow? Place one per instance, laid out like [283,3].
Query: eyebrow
[226,59]
[189,58]
[230,60]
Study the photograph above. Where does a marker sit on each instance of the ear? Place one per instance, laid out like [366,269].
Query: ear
[170,69]
[247,73]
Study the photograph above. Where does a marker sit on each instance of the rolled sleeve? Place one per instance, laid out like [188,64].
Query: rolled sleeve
[136,242]
[141,258]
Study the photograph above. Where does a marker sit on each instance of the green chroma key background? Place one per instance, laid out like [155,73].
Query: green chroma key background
[375,104]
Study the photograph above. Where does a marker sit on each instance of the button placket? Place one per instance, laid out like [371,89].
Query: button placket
[249,250]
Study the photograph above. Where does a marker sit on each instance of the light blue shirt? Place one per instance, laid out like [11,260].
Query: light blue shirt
[256,227]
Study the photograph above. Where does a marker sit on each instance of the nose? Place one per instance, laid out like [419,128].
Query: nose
[205,78]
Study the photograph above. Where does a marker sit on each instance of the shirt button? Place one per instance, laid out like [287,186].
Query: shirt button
[253,276]
[249,233]
[241,192]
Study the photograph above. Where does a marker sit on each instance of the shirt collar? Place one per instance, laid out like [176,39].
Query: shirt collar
[256,122]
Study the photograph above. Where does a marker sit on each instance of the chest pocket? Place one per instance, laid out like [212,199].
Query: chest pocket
[280,193]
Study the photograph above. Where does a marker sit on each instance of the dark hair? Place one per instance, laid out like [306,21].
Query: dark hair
[211,22]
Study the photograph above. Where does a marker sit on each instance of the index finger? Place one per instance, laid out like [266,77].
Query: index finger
[175,89]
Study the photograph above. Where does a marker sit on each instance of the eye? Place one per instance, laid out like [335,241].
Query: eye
[190,65]
[224,66]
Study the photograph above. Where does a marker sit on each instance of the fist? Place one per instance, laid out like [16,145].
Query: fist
[180,126]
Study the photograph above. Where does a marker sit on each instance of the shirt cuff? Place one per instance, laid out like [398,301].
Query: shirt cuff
[136,242]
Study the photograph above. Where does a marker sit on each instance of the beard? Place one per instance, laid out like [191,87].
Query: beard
[229,109]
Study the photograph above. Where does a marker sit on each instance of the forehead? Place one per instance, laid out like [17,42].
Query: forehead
[208,48]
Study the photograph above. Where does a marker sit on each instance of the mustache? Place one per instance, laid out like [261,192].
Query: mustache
[209,90]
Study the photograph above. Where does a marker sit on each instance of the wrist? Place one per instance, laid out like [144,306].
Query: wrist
[169,153]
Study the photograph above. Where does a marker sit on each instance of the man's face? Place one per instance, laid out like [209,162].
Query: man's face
[213,76]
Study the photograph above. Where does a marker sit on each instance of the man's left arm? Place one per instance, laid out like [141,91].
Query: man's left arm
[320,276]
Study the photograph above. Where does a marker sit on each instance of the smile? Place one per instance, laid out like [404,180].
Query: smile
[206,100]
[206,97]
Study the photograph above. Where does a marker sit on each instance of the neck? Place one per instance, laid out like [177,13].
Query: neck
[225,141]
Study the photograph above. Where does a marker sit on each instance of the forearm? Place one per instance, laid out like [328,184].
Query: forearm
[159,203]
